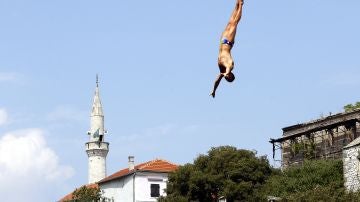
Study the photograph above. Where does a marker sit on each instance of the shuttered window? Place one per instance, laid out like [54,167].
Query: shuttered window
[154,190]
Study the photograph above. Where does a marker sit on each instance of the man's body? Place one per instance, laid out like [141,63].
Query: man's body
[225,61]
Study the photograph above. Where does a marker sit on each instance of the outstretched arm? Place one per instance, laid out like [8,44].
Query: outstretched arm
[216,84]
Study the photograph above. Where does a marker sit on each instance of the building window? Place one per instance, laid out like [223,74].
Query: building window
[154,190]
[155,180]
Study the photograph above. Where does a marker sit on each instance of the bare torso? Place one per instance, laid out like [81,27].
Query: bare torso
[225,61]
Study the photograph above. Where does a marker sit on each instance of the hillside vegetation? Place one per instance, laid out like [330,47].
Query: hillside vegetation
[239,175]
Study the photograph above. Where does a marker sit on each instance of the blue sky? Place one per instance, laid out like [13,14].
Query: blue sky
[157,60]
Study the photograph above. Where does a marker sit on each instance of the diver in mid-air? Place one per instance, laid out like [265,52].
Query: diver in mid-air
[225,61]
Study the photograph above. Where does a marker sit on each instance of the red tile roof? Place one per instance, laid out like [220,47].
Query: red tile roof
[70,196]
[157,165]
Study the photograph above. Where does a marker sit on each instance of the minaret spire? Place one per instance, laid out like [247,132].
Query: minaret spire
[97,148]
[97,115]
[97,80]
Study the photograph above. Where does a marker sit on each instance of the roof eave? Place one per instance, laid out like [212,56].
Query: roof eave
[118,177]
[132,172]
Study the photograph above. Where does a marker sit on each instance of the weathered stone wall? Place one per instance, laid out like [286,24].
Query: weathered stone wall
[328,144]
[351,165]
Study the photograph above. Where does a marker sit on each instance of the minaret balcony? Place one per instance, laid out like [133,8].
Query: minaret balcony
[97,145]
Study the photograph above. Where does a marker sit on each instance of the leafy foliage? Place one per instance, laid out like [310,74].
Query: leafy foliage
[306,148]
[317,180]
[224,171]
[351,107]
[86,194]
[241,176]
[173,199]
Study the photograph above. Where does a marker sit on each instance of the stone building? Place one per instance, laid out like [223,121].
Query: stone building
[351,164]
[316,139]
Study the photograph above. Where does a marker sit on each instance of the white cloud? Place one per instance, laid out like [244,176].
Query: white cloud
[8,76]
[28,164]
[3,117]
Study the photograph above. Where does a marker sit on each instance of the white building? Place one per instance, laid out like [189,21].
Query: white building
[97,148]
[141,183]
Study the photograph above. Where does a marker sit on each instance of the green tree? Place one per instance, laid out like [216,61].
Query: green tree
[225,171]
[86,194]
[173,199]
[351,107]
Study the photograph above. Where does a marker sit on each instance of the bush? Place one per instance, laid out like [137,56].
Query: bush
[317,180]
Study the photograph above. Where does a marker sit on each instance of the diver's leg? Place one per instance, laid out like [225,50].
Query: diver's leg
[235,18]
[230,30]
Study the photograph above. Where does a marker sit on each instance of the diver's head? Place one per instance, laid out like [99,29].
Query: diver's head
[230,77]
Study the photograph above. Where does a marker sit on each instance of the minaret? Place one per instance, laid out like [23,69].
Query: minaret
[97,148]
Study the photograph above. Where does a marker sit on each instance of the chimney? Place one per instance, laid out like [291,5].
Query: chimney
[131,163]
